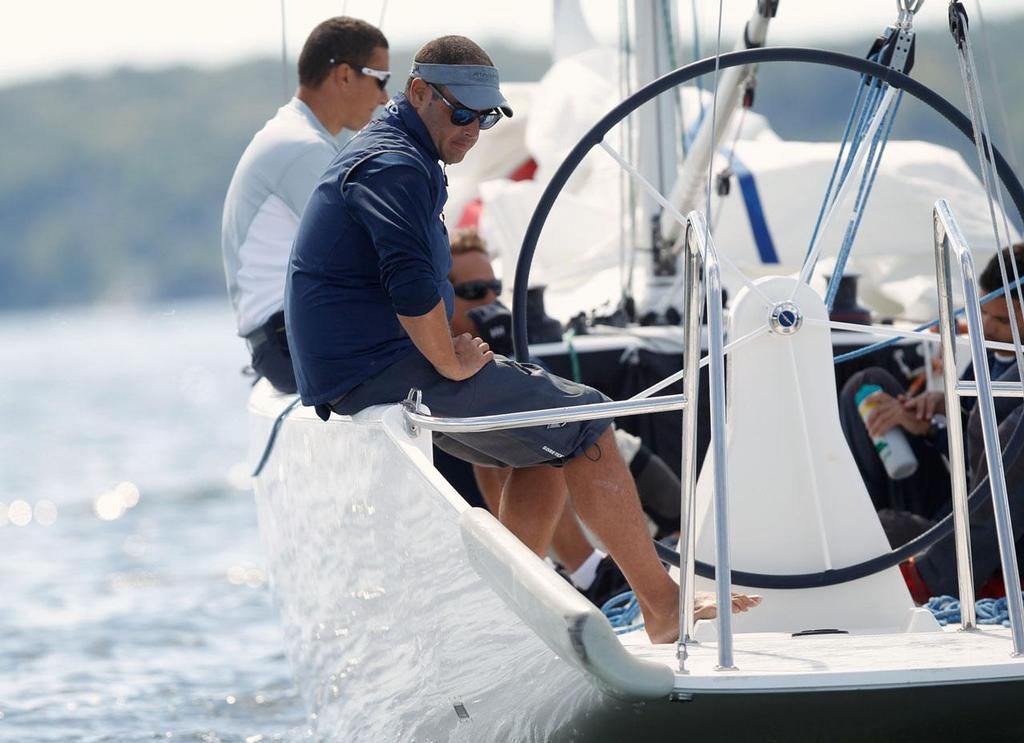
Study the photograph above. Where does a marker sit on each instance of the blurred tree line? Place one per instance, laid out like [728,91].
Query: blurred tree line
[111,187]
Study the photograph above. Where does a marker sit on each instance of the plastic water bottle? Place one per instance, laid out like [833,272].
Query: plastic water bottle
[892,447]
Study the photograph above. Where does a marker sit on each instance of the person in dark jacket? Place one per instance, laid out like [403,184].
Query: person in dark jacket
[912,505]
[368,308]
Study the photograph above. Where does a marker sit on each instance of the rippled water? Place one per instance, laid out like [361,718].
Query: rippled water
[133,604]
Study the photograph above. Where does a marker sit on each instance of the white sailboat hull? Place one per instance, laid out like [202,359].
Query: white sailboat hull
[410,616]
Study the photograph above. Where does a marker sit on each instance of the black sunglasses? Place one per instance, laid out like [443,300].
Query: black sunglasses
[477,289]
[381,76]
[462,116]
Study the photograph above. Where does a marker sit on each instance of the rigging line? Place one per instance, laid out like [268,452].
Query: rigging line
[983,146]
[999,195]
[680,280]
[812,258]
[882,345]
[854,158]
[627,195]
[714,116]
[875,90]
[284,55]
[854,109]
[896,333]
[728,164]
[704,361]
[673,62]
[998,88]
[860,204]
[664,203]
[696,51]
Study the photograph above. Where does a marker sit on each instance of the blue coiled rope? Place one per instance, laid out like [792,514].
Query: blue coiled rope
[622,612]
[946,609]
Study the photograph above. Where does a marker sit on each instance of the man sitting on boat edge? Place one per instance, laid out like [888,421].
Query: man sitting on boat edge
[368,305]
[477,311]
[927,492]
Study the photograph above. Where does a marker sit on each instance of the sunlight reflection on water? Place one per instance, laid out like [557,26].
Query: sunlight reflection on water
[136,603]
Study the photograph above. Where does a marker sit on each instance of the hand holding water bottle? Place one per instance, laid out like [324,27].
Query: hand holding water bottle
[887,412]
[885,416]
[926,405]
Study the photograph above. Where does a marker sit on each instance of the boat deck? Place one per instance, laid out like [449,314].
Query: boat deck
[780,662]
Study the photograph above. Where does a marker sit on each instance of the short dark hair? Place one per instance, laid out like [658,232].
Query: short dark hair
[991,278]
[468,240]
[450,50]
[342,39]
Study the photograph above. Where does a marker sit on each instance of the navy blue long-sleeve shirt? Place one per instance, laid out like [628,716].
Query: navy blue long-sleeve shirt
[372,245]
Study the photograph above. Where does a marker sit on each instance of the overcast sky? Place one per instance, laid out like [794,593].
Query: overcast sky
[39,39]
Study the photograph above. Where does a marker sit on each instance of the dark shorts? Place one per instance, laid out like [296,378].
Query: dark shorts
[268,346]
[504,386]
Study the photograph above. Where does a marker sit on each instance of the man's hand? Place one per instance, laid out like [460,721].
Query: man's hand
[890,412]
[455,358]
[471,355]
[925,405]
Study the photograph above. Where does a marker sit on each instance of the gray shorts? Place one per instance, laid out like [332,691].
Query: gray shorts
[504,386]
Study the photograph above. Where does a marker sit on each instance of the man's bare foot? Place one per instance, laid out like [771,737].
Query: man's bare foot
[666,629]
[705,606]
[663,628]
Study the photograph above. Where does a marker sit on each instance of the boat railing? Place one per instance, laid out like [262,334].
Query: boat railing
[702,280]
[949,243]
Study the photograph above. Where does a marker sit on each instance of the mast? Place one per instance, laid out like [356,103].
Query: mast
[688,189]
[657,132]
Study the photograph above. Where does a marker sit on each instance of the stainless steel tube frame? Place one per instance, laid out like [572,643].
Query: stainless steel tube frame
[957,466]
[699,239]
[949,237]
[693,266]
[529,418]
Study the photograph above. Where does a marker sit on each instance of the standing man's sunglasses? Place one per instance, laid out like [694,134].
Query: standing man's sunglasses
[382,76]
[477,289]
[462,116]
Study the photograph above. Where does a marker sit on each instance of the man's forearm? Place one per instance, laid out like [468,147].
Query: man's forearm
[432,335]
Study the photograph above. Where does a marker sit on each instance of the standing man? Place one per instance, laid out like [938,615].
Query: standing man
[368,305]
[343,71]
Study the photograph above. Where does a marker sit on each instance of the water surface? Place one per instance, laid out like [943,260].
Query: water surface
[135,605]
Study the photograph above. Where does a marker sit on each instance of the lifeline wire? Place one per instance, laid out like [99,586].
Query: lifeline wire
[881,345]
